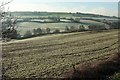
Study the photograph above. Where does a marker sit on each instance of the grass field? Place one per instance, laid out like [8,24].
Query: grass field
[53,55]
[59,14]
[25,26]
[41,16]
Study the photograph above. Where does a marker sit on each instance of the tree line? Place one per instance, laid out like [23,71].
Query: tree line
[67,29]
[40,32]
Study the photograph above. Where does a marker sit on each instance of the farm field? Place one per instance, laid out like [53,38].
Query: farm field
[24,26]
[59,14]
[92,22]
[27,21]
[53,55]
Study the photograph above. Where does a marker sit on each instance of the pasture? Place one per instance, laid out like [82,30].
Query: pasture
[51,56]
[24,26]
[27,21]
[60,14]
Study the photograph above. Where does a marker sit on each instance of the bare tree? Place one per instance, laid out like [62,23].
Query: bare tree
[81,28]
[28,34]
[39,31]
[7,23]
[67,29]
[34,31]
[72,29]
[3,4]
[56,31]
[48,30]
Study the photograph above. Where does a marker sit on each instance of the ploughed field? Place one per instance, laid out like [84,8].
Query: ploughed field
[53,55]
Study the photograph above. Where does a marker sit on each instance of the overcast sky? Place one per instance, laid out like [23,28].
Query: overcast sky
[106,7]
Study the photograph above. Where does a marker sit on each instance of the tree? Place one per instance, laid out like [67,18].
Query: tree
[39,31]
[56,19]
[72,29]
[34,31]
[56,31]
[81,28]
[28,34]
[14,34]
[2,5]
[7,23]
[67,29]
[48,30]
[77,20]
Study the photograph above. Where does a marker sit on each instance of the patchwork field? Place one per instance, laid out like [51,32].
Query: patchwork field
[53,55]
[25,26]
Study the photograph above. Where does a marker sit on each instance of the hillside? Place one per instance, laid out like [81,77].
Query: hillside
[53,55]
[59,14]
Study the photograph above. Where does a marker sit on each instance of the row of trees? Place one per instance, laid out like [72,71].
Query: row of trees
[39,31]
[74,29]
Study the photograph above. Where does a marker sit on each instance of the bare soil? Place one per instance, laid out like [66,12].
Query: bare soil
[100,70]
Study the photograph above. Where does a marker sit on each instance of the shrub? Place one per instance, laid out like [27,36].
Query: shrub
[57,31]
[28,34]
[81,28]
[48,30]
[67,29]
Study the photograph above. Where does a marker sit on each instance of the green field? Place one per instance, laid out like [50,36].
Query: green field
[24,26]
[32,20]
[53,55]
[60,14]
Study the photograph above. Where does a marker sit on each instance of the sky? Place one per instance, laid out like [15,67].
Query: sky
[103,7]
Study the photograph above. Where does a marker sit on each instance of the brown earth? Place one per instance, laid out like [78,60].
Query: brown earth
[100,70]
